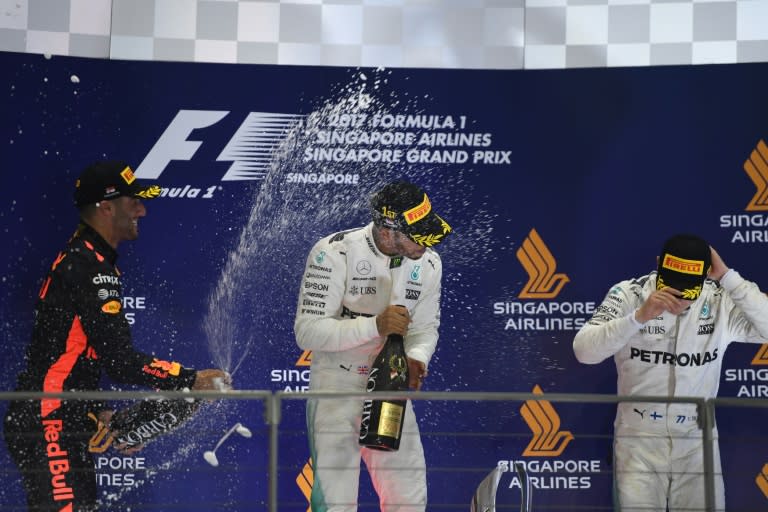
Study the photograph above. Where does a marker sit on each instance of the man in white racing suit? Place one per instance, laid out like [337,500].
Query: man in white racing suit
[344,315]
[668,332]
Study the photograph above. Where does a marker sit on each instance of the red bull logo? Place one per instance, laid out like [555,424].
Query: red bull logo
[162,369]
[58,461]
[172,368]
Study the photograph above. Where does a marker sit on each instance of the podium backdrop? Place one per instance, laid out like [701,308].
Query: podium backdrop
[558,184]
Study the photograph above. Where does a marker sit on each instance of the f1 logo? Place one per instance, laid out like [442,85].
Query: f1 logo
[250,148]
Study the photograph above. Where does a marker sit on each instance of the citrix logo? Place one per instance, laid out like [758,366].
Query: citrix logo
[756,167]
[544,422]
[250,148]
[537,260]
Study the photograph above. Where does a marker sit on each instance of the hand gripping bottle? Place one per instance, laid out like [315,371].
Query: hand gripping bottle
[381,425]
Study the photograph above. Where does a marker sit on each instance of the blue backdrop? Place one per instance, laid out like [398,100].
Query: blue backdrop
[582,171]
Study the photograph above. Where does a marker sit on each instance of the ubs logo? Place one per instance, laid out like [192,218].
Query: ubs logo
[548,440]
[538,262]
[756,167]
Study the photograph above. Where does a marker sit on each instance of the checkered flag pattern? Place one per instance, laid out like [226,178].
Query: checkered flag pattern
[469,34]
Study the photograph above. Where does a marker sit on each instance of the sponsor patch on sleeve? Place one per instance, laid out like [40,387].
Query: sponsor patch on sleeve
[173,368]
[127,175]
[692,267]
[112,307]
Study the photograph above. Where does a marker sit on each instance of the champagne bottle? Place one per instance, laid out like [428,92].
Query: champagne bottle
[381,425]
[146,420]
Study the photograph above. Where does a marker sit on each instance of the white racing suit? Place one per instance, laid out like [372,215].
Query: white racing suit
[658,448]
[346,283]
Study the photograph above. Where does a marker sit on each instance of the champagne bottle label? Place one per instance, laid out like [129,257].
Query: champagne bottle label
[391,419]
[146,420]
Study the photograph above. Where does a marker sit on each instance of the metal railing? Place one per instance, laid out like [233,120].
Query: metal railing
[274,403]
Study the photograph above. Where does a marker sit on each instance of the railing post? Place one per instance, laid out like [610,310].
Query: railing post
[273,406]
[706,414]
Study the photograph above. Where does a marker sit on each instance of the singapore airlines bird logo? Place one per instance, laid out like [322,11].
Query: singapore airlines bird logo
[543,282]
[544,422]
[762,480]
[305,480]
[756,168]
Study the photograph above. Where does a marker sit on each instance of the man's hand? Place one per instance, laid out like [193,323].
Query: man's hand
[105,416]
[212,380]
[666,299]
[417,372]
[719,268]
[103,421]
[393,320]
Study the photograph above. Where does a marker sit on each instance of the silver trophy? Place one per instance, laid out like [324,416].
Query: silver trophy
[484,499]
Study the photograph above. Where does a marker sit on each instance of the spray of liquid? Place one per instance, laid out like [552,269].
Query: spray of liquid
[284,220]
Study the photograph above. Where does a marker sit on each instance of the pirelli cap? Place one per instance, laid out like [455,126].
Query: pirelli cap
[109,179]
[405,207]
[683,265]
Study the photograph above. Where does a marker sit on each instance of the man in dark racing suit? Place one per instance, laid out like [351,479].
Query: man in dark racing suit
[80,330]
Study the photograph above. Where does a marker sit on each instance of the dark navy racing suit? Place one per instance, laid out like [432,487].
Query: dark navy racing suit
[79,330]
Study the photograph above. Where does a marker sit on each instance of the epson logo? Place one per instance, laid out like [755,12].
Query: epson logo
[249,149]
[316,286]
[105,279]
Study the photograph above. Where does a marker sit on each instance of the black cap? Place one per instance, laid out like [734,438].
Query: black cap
[109,179]
[405,207]
[684,263]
